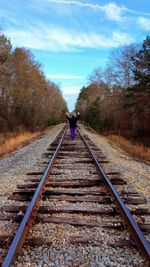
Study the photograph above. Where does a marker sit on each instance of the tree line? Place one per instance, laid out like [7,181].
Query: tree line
[27,99]
[116,99]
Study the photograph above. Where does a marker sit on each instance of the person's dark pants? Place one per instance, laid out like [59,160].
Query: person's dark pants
[72,132]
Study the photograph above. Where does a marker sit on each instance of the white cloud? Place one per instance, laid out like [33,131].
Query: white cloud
[74,89]
[71,99]
[60,76]
[144,23]
[52,38]
[111,10]
[121,38]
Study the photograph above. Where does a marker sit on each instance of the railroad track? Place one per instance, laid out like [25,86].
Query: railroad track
[72,205]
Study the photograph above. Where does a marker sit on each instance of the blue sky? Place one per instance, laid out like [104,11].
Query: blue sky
[71,38]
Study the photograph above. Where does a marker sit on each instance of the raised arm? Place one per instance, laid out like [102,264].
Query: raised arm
[78,115]
[67,116]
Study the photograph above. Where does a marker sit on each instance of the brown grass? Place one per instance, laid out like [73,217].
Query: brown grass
[135,149]
[12,141]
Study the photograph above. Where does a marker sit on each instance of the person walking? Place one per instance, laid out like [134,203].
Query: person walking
[72,122]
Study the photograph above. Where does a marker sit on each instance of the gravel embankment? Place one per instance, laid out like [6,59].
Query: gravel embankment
[61,253]
[136,173]
[13,167]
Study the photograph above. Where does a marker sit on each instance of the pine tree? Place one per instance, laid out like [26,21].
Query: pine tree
[5,48]
[141,64]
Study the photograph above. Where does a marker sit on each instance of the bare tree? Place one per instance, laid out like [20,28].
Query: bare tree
[118,71]
[96,77]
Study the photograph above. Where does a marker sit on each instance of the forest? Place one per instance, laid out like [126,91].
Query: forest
[115,101]
[117,98]
[27,99]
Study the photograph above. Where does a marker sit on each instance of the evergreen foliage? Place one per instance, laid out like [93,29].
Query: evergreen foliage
[141,63]
[93,114]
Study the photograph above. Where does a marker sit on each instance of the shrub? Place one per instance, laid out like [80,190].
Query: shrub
[51,121]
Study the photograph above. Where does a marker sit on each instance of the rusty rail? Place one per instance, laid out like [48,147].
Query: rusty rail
[127,217]
[29,216]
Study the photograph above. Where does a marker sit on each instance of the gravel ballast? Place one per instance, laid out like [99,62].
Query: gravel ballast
[14,166]
[136,173]
[61,253]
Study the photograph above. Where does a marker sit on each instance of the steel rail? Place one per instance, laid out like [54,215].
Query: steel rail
[29,216]
[127,217]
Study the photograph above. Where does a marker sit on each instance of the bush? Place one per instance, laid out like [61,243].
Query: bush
[51,121]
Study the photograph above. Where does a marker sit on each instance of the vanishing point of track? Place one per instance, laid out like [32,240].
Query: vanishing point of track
[58,150]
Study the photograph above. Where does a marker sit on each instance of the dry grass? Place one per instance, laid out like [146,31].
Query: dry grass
[137,150]
[12,141]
